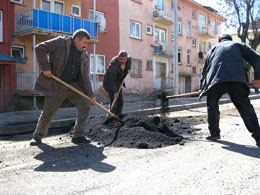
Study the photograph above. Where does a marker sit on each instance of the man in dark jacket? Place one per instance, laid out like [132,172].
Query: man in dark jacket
[118,69]
[224,72]
[66,58]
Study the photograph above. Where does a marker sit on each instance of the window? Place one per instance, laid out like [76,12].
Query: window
[136,68]
[135,29]
[46,5]
[188,29]
[188,56]
[91,14]
[179,55]
[17,1]
[59,7]
[209,46]
[193,14]
[17,51]
[149,29]
[159,4]
[194,42]
[214,27]
[100,63]
[194,71]
[1,26]
[202,24]
[160,35]
[179,26]
[76,10]
[149,65]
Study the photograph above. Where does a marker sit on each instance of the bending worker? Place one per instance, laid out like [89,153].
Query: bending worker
[118,69]
[224,72]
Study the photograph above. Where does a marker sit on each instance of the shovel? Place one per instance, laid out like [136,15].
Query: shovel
[85,96]
[114,101]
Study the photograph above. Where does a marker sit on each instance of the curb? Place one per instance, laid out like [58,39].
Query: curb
[19,128]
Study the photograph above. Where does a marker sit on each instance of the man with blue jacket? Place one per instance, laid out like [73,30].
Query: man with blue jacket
[224,72]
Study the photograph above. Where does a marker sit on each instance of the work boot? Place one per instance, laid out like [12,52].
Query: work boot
[35,141]
[213,137]
[80,140]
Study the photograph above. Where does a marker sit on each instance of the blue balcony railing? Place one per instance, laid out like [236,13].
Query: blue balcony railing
[52,22]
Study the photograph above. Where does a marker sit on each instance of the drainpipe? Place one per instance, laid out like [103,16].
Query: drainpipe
[34,65]
[175,50]
[94,53]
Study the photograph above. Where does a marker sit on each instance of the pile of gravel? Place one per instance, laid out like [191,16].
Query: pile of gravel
[140,131]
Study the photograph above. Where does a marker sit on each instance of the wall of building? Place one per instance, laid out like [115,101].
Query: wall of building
[8,79]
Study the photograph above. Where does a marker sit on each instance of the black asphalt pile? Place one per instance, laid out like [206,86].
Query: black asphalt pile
[140,131]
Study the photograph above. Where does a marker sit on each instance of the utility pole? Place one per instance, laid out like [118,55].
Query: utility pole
[175,49]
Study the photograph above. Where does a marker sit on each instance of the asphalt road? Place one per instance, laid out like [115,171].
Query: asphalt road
[229,166]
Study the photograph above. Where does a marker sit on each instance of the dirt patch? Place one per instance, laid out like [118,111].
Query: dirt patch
[141,131]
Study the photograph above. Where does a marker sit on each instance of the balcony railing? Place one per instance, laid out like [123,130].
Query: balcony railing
[25,81]
[207,31]
[163,16]
[53,22]
[164,50]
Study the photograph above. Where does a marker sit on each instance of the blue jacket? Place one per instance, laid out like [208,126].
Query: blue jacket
[225,63]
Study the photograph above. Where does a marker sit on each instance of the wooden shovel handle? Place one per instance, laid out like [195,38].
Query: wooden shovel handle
[85,96]
[114,101]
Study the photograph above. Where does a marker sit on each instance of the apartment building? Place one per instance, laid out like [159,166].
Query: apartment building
[145,29]
[7,63]
[37,21]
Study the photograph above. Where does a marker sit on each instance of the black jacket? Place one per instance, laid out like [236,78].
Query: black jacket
[225,63]
[114,75]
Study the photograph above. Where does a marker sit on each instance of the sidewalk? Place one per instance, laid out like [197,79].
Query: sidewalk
[25,121]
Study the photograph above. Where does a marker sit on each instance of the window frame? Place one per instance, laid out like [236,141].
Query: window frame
[179,26]
[133,68]
[189,57]
[23,51]
[91,64]
[17,1]
[76,6]
[194,42]
[193,14]
[179,55]
[160,31]
[188,29]
[56,1]
[149,65]
[135,26]
[1,26]
[151,28]
[97,13]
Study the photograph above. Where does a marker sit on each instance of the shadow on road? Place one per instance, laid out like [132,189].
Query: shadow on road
[74,158]
[242,149]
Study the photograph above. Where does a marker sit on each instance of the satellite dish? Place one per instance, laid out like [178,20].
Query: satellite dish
[101,21]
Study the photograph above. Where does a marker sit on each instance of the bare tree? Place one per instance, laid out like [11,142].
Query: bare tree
[244,15]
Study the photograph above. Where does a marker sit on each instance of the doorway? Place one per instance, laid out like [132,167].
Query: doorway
[160,75]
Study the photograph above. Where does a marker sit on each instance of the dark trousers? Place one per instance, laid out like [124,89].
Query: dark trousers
[118,106]
[238,93]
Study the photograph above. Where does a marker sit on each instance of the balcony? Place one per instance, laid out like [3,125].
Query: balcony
[162,17]
[207,32]
[39,21]
[163,50]
[25,82]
